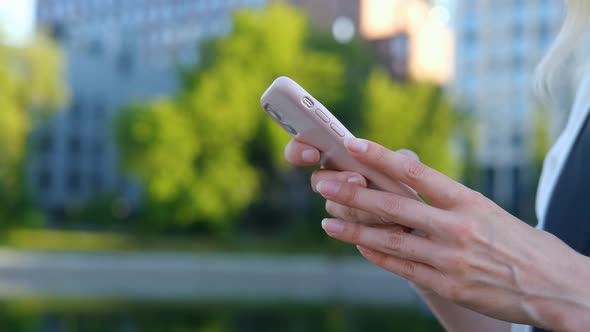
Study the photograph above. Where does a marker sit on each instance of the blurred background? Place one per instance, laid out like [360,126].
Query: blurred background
[142,188]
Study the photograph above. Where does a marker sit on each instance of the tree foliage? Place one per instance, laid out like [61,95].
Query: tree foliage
[31,87]
[415,116]
[194,150]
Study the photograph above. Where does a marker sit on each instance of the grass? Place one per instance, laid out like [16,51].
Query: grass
[100,316]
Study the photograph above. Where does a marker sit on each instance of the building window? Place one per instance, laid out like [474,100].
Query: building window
[45,180]
[96,48]
[46,143]
[545,34]
[469,81]
[99,110]
[489,178]
[518,107]
[96,181]
[518,66]
[547,8]
[470,38]
[519,9]
[518,31]
[73,182]
[74,146]
[98,149]
[76,110]
[516,140]
[517,189]
[125,61]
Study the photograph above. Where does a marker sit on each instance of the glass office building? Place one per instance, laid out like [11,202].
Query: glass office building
[499,44]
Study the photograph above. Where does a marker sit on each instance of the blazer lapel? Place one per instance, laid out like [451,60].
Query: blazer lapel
[568,215]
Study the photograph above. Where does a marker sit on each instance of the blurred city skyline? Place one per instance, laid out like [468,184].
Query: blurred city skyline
[17,18]
[472,49]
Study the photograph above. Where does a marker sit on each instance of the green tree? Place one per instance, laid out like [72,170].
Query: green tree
[201,153]
[31,87]
[415,116]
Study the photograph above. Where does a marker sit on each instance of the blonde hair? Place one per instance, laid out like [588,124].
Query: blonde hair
[546,74]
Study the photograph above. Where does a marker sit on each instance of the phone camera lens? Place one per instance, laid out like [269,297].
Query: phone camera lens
[275,115]
[290,129]
[272,112]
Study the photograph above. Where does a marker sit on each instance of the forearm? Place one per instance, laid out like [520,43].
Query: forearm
[455,318]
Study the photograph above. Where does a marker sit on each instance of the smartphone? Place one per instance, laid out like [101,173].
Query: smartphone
[308,121]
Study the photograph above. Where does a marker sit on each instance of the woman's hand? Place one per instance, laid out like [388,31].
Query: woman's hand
[301,154]
[472,252]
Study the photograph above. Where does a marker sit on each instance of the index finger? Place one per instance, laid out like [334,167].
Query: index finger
[392,208]
[439,189]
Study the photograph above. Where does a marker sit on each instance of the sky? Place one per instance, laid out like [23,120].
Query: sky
[16,19]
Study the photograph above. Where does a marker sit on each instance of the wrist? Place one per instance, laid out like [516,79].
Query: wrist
[567,308]
[425,293]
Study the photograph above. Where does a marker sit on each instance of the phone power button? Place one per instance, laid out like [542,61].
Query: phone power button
[322,116]
[337,130]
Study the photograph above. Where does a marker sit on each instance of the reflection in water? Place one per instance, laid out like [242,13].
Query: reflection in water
[88,316]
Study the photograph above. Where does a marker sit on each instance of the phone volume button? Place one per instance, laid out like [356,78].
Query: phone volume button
[337,130]
[322,116]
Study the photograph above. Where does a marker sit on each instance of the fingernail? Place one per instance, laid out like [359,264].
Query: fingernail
[357,145]
[329,188]
[355,179]
[309,156]
[409,153]
[364,251]
[333,226]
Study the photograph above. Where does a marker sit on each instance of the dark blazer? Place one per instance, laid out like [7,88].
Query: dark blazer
[568,212]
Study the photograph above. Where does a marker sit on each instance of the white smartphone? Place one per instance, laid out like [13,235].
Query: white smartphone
[308,121]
